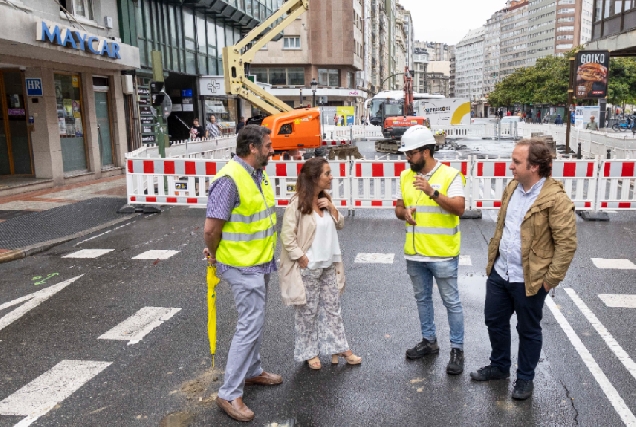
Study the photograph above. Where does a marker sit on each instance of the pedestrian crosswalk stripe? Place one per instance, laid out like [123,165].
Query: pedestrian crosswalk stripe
[608,388]
[140,324]
[88,253]
[49,389]
[618,300]
[374,258]
[156,255]
[465,260]
[618,264]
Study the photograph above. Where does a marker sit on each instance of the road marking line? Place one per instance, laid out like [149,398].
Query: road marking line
[618,264]
[374,258]
[32,301]
[156,255]
[603,332]
[139,324]
[88,253]
[101,234]
[49,389]
[612,395]
[465,260]
[618,300]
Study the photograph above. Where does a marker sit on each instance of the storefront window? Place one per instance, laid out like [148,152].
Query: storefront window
[70,124]
[224,110]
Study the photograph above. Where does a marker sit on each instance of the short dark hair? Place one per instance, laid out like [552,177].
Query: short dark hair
[250,134]
[538,155]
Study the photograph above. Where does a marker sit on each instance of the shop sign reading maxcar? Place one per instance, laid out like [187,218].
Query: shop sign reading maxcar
[592,70]
[76,39]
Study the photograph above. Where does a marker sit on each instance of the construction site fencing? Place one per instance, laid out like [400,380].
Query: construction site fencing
[593,184]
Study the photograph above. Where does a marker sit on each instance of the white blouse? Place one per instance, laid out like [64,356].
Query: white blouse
[324,250]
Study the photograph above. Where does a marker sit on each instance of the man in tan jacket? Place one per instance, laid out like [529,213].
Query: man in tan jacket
[531,251]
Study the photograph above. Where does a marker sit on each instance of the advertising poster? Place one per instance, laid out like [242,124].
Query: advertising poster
[592,70]
[582,115]
[346,115]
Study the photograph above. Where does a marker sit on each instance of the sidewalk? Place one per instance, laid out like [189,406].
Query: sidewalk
[35,221]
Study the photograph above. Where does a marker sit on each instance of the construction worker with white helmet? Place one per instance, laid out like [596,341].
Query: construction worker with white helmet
[431,200]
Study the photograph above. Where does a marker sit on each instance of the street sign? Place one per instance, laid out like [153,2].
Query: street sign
[34,87]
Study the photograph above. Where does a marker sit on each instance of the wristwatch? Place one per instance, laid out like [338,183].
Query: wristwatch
[435,195]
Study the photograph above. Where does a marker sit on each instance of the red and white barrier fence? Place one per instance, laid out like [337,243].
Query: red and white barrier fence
[593,185]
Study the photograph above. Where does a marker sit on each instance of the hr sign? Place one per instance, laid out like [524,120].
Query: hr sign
[76,39]
[34,87]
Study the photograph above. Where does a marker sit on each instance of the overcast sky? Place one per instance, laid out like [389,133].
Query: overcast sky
[448,21]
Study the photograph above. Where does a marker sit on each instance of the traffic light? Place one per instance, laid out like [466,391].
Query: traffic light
[157,93]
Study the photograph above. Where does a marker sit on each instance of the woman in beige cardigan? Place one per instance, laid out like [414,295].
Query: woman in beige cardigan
[311,272]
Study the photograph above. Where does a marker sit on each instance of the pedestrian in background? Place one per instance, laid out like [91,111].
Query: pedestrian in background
[431,200]
[212,129]
[311,271]
[336,120]
[196,131]
[533,245]
[240,233]
[241,124]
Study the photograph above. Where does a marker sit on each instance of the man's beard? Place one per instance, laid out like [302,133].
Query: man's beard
[261,161]
[418,167]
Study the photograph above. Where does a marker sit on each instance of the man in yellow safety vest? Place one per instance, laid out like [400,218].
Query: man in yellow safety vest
[431,200]
[240,234]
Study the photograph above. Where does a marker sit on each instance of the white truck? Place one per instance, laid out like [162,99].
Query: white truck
[444,112]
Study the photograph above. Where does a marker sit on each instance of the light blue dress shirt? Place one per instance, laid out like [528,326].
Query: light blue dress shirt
[508,264]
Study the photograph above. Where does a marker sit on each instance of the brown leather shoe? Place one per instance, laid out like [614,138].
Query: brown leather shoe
[264,379]
[236,409]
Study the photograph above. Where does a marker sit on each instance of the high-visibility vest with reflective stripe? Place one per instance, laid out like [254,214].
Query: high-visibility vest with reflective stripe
[249,237]
[436,232]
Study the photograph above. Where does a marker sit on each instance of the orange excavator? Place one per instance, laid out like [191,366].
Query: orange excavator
[398,116]
[294,132]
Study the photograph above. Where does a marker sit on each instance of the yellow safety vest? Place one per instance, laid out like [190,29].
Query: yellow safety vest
[436,233]
[249,237]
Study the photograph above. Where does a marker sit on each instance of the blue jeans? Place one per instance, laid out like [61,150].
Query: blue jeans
[502,299]
[445,273]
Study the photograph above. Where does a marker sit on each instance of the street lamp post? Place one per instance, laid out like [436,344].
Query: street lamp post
[314,86]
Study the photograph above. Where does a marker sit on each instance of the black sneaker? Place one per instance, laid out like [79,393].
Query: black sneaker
[456,363]
[488,373]
[422,349]
[523,389]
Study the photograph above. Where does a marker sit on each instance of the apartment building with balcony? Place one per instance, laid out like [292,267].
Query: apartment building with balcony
[453,72]
[492,45]
[420,69]
[514,37]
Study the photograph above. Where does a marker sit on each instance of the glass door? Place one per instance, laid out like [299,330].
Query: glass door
[103,128]
[15,149]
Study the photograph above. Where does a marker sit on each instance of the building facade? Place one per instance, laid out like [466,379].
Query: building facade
[190,37]
[514,38]
[469,74]
[420,69]
[438,78]
[62,93]
[614,27]
[326,44]
[453,72]
[492,44]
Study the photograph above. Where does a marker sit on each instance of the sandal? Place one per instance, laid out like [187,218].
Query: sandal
[314,363]
[348,355]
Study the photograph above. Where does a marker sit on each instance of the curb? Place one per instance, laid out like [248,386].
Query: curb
[44,246]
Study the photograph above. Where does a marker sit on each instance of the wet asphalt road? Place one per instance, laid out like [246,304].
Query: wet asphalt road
[166,380]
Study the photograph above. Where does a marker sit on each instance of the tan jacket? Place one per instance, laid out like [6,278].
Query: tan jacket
[548,236]
[297,235]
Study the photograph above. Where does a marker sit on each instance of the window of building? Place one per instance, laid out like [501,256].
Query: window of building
[277,76]
[83,8]
[292,42]
[328,77]
[296,76]
[280,76]
[69,117]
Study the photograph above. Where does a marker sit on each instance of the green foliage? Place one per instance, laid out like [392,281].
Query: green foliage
[547,83]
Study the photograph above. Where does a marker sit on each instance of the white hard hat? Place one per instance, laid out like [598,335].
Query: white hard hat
[416,137]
